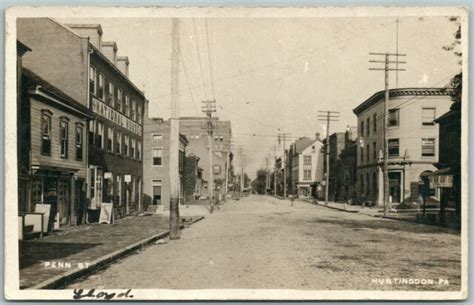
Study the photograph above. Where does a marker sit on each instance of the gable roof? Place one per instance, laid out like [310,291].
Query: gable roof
[301,144]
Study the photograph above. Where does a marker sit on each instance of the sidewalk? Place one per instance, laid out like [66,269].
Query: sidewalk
[54,260]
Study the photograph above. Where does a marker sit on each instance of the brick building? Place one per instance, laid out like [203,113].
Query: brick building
[348,166]
[76,60]
[156,160]
[337,143]
[192,179]
[413,141]
[193,129]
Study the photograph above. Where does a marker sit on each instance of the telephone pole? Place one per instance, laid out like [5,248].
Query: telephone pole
[282,137]
[274,171]
[208,107]
[386,62]
[267,177]
[328,116]
[174,133]
[240,151]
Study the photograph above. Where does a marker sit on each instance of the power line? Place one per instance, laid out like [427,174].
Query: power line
[209,59]
[199,57]
[187,82]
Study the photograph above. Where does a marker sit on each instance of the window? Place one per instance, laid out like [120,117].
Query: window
[132,150]
[157,137]
[217,169]
[110,139]
[118,142]
[361,129]
[125,145]
[306,160]
[139,150]
[362,154]
[100,135]
[375,122]
[393,147]
[157,156]
[428,147]
[139,114]
[79,141]
[111,95]
[393,117]
[127,105]
[374,146]
[91,132]
[368,151]
[64,137]
[368,127]
[156,190]
[93,80]
[119,99]
[100,86]
[428,116]
[307,174]
[134,108]
[46,132]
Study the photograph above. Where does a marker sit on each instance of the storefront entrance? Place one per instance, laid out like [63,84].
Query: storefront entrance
[395,186]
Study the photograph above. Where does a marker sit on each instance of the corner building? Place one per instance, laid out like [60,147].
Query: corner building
[76,60]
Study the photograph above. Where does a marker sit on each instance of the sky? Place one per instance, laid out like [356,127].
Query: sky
[273,75]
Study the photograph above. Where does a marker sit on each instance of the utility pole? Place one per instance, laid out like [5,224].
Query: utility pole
[208,107]
[282,137]
[274,171]
[386,70]
[174,133]
[267,177]
[327,116]
[240,151]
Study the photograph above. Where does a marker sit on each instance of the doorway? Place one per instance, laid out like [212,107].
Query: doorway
[394,179]
[80,201]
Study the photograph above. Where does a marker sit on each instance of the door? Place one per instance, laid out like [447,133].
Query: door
[51,198]
[394,185]
[80,201]
[64,201]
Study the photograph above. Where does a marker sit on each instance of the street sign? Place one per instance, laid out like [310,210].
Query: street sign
[127,178]
[441,181]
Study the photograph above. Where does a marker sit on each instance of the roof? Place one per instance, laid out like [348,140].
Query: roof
[303,143]
[55,92]
[378,96]
[86,26]
[21,48]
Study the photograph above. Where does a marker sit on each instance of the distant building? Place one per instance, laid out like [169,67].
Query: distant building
[194,130]
[413,141]
[192,179]
[305,165]
[348,166]
[337,143]
[156,158]
[76,60]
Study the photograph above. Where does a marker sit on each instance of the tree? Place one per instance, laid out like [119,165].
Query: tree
[454,46]
[259,183]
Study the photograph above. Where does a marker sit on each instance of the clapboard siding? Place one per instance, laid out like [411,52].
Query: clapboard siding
[55,158]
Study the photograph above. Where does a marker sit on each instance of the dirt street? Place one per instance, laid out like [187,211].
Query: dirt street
[265,243]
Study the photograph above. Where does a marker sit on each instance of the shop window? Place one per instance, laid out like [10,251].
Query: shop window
[46,132]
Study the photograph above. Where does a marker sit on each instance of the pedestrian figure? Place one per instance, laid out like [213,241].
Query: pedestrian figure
[292,198]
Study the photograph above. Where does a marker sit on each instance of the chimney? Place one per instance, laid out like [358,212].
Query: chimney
[109,49]
[318,136]
[145,109]
[93,31]
[122,64]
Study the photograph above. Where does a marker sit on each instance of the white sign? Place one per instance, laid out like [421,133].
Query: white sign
[115,116]
[106,211]
[127,178]
[108,175]
[441,181]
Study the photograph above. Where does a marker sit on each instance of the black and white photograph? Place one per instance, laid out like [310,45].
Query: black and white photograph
[304,153]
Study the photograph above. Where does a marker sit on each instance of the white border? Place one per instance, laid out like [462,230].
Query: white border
[11,232]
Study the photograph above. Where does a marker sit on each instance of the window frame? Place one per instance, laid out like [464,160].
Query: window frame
[49,116]
[375,122]
[111,93]
[79,144]
[158,135]
[398,147]
[118,142]
[64,142]
[153,157]
[100,134]
[431,123]
[432,147]
[110,139]
[397,111]
[126,143]
[93,80]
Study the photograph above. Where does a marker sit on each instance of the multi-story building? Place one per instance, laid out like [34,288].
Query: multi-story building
[53,151]
[348,166]
[194,130]
[337,143]
[305,165]
[413,141]
[156,158]
[76,60]
[192,179]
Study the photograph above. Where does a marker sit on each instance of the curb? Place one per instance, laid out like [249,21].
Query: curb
[62,280]
[334,208]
